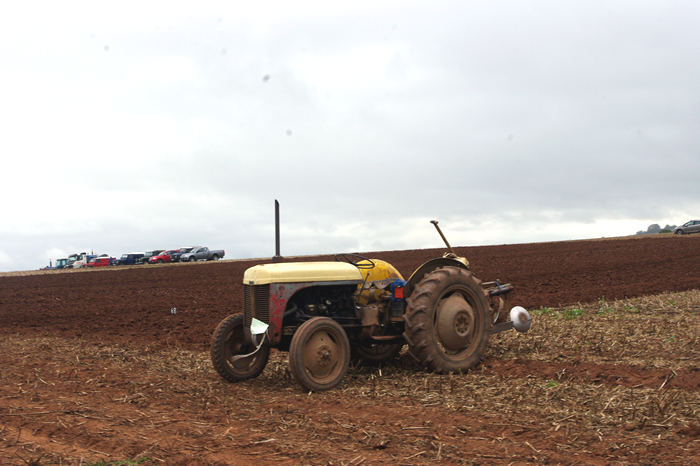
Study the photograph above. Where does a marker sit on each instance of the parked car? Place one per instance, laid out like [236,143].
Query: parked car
[102,261]
[692,226]
[164,256]
[202,254]
[176,257]
[148,254]
[129,259]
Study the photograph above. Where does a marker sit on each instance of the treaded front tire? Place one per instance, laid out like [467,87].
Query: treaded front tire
[464,346]
[319,355]
[227,342]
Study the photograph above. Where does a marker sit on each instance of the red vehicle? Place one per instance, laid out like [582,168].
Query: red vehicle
[101,262]
[162,257]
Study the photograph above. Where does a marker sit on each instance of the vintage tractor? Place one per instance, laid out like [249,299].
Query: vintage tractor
[321,312]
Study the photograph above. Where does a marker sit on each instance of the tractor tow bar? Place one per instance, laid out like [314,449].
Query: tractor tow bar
[500,289]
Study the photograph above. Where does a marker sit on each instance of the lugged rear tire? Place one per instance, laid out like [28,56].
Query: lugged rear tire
[228,341]
[448,348]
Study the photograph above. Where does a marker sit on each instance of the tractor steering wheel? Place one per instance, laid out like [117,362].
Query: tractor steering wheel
[355,259]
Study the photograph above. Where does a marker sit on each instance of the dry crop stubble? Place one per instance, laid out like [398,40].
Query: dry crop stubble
[653,331]
[614,382]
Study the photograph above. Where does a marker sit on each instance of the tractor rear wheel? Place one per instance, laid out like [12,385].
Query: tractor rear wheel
[376,354]
[448,321]
[319,355]
[229,349]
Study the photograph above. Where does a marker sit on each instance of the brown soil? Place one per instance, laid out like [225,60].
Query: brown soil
[112,365]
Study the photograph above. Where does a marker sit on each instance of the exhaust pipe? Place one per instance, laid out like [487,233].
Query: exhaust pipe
[277,258]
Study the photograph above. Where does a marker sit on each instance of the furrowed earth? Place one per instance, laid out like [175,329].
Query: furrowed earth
[112,367]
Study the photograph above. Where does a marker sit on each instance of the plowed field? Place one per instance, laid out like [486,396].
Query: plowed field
[112,366]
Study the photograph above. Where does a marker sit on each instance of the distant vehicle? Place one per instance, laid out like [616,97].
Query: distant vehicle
[164,256]
[85,263]
[129,259]
[148,254]
[176,257]
[692,226]
[71,260]
[102,261]
[202,254]
[60,263]
[76,261]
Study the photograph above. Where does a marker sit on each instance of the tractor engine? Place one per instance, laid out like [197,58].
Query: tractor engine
[329,300]
[366,306]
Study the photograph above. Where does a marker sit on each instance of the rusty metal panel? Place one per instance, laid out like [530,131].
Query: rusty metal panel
[256,303]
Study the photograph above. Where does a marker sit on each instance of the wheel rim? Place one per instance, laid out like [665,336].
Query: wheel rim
[456,323]
[236,346]
[322,355]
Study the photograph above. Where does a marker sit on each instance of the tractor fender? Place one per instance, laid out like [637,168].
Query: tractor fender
[428,267]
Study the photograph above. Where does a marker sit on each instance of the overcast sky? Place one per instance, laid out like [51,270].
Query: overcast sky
[147,125]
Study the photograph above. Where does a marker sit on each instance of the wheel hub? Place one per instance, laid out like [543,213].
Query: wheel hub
[320,354]
[454,322]
[323,356]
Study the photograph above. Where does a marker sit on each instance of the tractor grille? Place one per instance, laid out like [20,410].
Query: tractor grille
[256,303]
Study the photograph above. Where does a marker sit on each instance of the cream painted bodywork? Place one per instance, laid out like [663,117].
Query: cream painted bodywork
[299,272]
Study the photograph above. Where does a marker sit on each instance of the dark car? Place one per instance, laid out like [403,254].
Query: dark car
[692,226]
[164,256]
[176,257]
[129,259]
[148,254]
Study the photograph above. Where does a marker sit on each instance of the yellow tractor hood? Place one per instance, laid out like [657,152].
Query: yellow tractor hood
[299,272]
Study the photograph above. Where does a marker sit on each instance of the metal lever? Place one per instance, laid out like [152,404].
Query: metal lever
[435,222]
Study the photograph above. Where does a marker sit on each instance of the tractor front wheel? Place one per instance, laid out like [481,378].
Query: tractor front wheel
[233,357]
[448,321]
[319,355]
